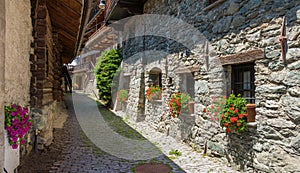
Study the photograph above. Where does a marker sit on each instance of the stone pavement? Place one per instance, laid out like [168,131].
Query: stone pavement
[190,160]
[77,152]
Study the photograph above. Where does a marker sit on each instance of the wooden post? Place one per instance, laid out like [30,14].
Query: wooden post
[283,41]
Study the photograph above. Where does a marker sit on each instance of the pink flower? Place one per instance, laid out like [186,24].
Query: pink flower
[14,146]
[23,113]
[29,124]
[19,109]
[214,98]
[14,139]
[14,114]
[22,142]
[15,122]
[9,128]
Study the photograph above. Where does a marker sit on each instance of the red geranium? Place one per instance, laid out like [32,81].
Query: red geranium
[233,119]
[234,114]
[153,93]
[231,112]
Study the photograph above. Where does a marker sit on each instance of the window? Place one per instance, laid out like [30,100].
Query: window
[126,82]
[242,81]
[155,77]
[187,84]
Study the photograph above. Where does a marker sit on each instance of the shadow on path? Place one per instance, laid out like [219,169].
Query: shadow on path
[73,151]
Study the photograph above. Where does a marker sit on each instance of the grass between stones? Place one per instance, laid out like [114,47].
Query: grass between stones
[117,124]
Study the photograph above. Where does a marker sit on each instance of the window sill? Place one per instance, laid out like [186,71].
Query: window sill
[252,124]
[156,101]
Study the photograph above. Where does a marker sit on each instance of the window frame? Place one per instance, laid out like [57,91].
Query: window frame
[237,80]
[187,82]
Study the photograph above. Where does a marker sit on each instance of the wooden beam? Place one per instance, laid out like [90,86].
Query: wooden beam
[58,15]
[67,6]
[67,35]
[245,57]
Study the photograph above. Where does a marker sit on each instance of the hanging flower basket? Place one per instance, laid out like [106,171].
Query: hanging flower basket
[17,124]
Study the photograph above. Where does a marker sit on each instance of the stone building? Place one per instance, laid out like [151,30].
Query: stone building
[215,48]
[37,37]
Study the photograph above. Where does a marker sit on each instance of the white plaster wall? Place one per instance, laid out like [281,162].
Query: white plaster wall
[17,51]
[2,60]
[17,66]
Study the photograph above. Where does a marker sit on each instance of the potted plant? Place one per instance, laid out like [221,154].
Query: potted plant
[175,105]
[187,105]
[122,98]
[231,113]
[191,107]
[153,93]
[17,124]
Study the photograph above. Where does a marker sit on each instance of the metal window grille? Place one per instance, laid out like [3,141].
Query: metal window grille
[243,81]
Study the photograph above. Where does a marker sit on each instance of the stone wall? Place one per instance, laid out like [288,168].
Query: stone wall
[230,27]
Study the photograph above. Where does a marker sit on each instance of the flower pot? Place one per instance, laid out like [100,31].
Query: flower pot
[124,105]
[250,108]
[11,156]
[191,106]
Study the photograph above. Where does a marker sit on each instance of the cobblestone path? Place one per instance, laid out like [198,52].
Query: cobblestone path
[73,152]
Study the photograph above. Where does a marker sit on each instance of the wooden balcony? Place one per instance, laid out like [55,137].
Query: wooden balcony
[84,67]
[119,9]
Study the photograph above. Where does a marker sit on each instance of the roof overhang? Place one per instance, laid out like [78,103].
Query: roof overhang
[69,18]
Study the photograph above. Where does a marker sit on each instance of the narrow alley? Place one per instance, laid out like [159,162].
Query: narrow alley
[72,151]
[149,86]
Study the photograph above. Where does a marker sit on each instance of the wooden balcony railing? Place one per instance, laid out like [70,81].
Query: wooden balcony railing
[109,6]
[87,66]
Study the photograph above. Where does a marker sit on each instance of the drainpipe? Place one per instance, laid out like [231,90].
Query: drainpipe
[2,80]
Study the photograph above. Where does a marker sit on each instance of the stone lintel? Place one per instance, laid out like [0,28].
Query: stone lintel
[244,57]
[187,69]
[127,74]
